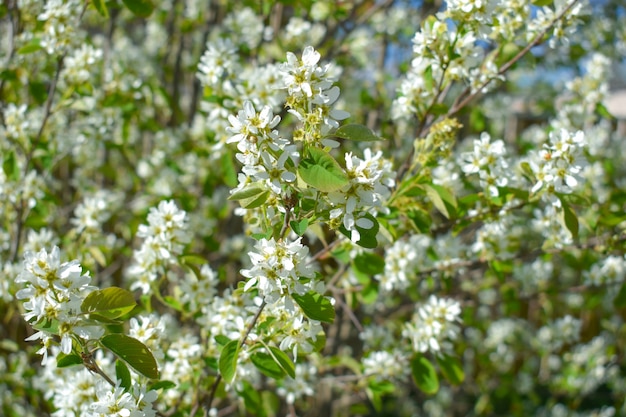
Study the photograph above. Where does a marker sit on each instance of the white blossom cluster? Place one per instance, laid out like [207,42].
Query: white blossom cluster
[488,160]
[557,166]
[277,267]
[610,270]
[559,333]
[165,237]
[402,260]
[75,391]
[262,152]
[371,179]
[60,19]
[384,365]
[53,292]
[434,325]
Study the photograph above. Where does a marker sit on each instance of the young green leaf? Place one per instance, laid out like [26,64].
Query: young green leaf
[101,7]
[451,369]
[315,306]
[265,363]
[164,385]
[442,199]
[33,45]
[368,236]
[228,360]
[283,360]
[63,360]
[252,196]
[356,132]
[299,227]
[123,375]
[569,219]
[424,374]
[47,325]
[320,170]
[133,352]
[140,8]
[110,303]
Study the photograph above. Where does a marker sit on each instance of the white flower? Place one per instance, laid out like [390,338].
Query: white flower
[434,325]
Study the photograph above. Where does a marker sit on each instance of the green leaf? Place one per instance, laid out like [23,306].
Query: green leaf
[319,343]
[192,259]
[101,7]
[451,369]
[33,45]
[421,219]
[123,375]
[265,363]
[222,340]
[369,263]
[140,8]
[283,360]
[299,227]
[357,133]
[253,196]
[47,325]
[569,218]
[424,374]
[63,360]
[164,385]
[229,173]
[252,399]
[542,3]
[620,298]
[10,166]
[441,198]
[368,236]
[429,82]
[602,111]
[228,360]
[315,306]
[133,352]
[109,303]
[320,170]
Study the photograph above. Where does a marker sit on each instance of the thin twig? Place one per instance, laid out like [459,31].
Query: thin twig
[458,105]
[242,341]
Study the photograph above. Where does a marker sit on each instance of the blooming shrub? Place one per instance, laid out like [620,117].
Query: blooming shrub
[310,208]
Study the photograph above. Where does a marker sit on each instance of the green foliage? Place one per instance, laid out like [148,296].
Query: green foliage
[228,360]
[140,8]
[356,132]
[253,196]
[123,375]
[109,303]
[133,352]
[315,306]
[63,360]
[424,374]
[320,170]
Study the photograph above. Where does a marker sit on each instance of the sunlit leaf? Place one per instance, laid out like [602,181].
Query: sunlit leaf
[320,170]
[228,360]
[357,133]
[424,374]
[315,306]
[110,303]
[451,369]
